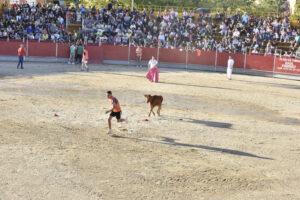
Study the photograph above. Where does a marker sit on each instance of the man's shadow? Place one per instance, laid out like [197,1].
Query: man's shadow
[172,142]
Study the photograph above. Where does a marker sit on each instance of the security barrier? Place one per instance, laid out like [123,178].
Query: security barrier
[98,53]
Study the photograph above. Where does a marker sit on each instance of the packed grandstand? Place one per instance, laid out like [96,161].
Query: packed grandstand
[230,32]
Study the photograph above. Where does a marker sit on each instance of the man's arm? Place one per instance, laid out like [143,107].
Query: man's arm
[110,110]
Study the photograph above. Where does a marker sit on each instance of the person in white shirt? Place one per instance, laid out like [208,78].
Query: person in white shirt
[230,67]
[153,72]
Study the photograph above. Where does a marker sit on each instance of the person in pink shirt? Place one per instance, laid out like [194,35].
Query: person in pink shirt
[21,54]
[85,58]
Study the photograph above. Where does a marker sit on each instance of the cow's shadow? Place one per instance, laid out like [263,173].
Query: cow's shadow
[209,123]
[203,122]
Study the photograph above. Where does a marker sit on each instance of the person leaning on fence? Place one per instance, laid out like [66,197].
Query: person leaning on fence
[21,54]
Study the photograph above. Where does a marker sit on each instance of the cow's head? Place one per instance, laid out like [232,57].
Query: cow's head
[148,97]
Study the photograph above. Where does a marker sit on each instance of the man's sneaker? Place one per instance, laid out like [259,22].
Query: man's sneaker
[109,132]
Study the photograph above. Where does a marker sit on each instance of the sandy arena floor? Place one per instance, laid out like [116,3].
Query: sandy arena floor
[238,139]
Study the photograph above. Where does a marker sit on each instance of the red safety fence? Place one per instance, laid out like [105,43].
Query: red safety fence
[41,49]
[260,62]
[172,56]
[147,53]
[179,56]
[95,54]
[206,58]
[63,50]
[10,48]
[237,57]
[287,65]
[48,49]
[111,52]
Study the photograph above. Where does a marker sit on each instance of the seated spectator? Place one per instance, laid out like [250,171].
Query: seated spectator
[236,33]
[118,40]
[224,29]
[166,16]
[286,54]
[217,17]
[162,38]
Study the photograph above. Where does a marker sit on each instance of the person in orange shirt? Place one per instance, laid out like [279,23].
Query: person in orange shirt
[115,111]
[85,58]
[21,54]
[139,53]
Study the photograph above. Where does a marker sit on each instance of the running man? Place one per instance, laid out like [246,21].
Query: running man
[21,54]
[230,67]
[139,53]
[85,58]
[115,111]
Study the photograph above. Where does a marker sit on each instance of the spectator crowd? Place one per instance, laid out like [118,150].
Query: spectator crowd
[169,29]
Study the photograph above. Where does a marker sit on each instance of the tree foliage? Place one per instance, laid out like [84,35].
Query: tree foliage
[227,5]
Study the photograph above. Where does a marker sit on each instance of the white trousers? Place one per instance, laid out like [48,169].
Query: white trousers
[229,73]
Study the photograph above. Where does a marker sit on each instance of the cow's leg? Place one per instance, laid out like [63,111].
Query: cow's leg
[158,110]
[151,110]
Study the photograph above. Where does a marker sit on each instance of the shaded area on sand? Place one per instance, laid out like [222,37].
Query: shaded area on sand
[171,141]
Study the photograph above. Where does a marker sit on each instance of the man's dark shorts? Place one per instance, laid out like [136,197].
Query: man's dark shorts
[116,114]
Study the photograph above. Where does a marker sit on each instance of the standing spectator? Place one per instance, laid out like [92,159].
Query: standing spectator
[72,54]
[21,54]
[245,18]
[230,67]
[85,58]
[139,56]
[79,53]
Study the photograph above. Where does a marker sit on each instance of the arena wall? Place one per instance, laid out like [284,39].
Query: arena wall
[211,59]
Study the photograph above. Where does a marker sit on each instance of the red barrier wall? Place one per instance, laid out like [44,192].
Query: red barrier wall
[95,54]
[172,55]
[148,52]
[287,65]
[63,50]
[206,58]
[237,57]
[260,62]
[111,52]
[41,49]
[10,48]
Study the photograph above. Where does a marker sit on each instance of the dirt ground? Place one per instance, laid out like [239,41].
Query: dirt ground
[237,139]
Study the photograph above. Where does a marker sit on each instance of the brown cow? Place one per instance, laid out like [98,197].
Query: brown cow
[155,100]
